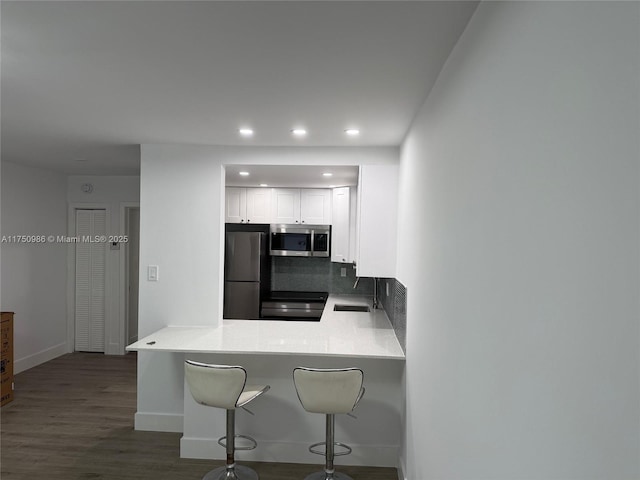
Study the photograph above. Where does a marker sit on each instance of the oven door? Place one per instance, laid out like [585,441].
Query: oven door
[288,241]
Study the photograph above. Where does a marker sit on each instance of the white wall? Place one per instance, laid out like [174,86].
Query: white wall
[33,275]
[181,230]
[182,195]
[522,267]
[111,193]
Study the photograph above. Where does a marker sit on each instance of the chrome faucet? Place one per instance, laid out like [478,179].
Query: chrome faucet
[374,303]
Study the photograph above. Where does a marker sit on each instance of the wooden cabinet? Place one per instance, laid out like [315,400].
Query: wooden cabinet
[377,221]
[6,358]
[340,227]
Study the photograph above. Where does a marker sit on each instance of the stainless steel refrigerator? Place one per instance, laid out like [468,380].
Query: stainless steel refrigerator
[245,274]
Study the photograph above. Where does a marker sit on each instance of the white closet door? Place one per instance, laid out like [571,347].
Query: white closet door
[90,280]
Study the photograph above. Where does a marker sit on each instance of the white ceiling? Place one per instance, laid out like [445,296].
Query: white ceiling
[84,83]
[309,176]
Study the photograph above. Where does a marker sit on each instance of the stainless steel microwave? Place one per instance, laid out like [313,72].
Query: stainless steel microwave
[300,240]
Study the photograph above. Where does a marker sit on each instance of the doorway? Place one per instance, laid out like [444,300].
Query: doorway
[90,280]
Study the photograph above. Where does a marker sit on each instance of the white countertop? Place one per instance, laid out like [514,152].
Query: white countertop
[348,334]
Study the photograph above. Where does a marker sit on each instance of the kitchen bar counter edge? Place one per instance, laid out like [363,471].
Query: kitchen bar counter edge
[343,334]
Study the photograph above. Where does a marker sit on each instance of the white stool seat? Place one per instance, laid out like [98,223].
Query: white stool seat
[250,392]
[329,391]
[224,386]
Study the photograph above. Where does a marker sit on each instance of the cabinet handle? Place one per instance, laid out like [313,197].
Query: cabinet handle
[248,220]
[242,220]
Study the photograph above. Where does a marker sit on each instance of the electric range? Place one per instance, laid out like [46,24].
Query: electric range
[290,305]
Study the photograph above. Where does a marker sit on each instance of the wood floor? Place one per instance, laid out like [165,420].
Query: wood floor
[72,418]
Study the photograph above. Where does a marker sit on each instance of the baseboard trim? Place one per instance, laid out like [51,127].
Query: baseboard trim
[402,475]
[289,452]
[158,422]
[114,349]
[39,358]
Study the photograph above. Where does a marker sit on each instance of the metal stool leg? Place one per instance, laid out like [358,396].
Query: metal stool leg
[231,471]
[329,470]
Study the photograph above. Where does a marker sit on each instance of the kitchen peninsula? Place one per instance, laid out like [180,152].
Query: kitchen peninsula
[269,350]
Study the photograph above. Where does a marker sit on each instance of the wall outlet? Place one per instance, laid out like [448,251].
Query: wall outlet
[343,272]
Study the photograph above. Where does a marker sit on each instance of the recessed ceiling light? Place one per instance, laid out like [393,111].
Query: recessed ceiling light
[244,174]
[246,132]
[327,174]
[352,132]
[264,185]
[299,132]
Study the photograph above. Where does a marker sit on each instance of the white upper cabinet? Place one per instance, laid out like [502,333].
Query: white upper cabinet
[340,228]
[285,205]
[278,205]
[235,205]
[315,206]
[377,218]
[258,205]
[306,205]
[247,205]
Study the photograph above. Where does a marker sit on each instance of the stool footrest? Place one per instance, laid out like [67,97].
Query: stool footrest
[222,441]
[313,449]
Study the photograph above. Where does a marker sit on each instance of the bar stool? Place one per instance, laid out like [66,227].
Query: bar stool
[224,386]
[329,391]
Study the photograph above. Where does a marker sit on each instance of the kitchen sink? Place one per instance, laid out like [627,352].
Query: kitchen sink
[350,308]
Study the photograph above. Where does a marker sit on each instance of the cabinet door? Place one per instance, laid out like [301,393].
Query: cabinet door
[259,205]
[285,203]
[315,206]
[235,206]
[340,225]
[377,221]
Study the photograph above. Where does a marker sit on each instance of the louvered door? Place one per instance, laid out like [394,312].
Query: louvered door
[90,280]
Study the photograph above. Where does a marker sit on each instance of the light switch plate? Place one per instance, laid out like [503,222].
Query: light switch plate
[152,273]
[343,272]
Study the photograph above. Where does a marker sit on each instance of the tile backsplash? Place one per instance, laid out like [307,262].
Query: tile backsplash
[304,274]
[395,305]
